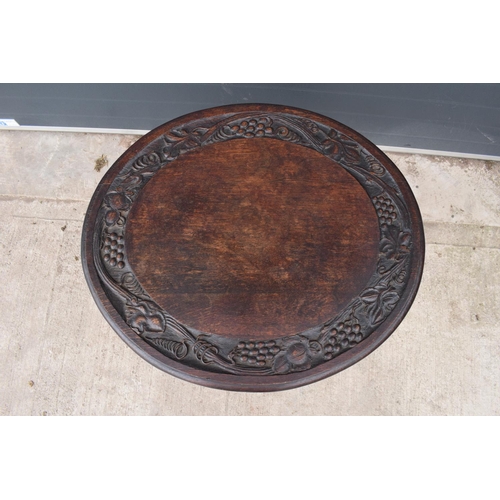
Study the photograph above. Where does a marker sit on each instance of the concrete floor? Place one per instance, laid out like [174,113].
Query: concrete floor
[58,355]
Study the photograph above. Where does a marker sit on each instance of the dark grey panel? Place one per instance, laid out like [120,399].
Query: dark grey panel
[448,117]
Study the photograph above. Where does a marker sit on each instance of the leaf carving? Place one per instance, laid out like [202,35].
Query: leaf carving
[394,242]
[145,319]
[379,302]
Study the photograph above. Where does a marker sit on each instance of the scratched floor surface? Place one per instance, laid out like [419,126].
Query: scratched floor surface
[58,356]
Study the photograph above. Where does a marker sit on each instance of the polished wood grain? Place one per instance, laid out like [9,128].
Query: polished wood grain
[253,247]
[253,238]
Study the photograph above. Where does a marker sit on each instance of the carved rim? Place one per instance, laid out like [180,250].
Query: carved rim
[253,365]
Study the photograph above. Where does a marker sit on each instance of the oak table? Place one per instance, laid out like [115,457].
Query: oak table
[253,247]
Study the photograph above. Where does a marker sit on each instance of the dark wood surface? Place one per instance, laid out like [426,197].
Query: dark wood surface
[253,247]
[253,238]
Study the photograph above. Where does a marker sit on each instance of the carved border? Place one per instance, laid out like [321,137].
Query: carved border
[280,356]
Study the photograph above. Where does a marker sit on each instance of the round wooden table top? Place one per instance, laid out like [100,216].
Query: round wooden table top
[253,247]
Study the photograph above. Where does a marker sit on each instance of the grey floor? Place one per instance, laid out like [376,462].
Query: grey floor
[58,356]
